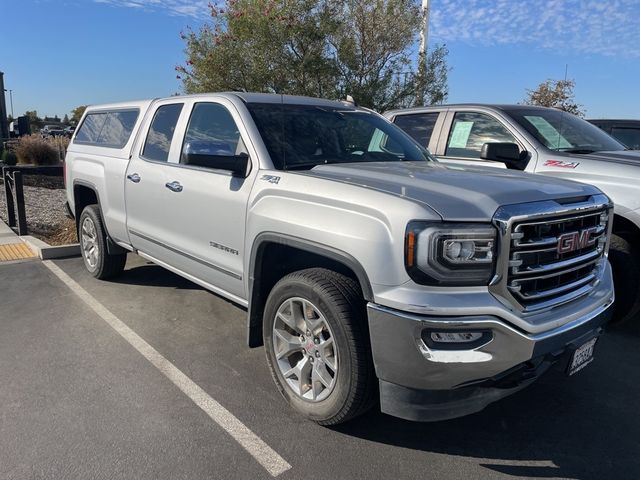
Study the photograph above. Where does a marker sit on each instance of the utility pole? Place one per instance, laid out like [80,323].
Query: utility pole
[4,125]
[424,32]
[11,100]
[421,77]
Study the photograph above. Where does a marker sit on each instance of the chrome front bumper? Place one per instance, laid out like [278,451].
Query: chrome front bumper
[423,383]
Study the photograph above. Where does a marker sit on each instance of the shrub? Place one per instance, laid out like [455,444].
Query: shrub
[8,157]
[60,144]
[36,150]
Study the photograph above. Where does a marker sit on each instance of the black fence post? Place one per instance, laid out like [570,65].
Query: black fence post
[8,194]
[22,214]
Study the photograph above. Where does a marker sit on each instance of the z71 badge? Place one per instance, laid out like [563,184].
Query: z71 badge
[561,164]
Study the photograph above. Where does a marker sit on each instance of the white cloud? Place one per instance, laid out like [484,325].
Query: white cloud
[198,9]
[604,27]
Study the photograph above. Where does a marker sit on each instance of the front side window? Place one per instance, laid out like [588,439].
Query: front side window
[304,136]
[418,125]
[212,130]
[470,131]
[158,142]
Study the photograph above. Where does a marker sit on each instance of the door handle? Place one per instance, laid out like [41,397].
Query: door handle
[174,186]
[134,177]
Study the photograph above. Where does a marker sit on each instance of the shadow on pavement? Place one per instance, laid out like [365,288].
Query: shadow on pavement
[586,426]
[151,275]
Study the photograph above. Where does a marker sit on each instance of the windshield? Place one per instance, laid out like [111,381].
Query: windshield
[303,136]
[564,132]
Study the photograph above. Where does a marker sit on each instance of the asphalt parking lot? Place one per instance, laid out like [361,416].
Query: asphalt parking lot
[79,401]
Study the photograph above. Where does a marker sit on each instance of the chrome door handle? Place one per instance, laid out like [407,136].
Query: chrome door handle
[134,177]
[174,186]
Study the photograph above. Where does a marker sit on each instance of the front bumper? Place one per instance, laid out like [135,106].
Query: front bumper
[426,384]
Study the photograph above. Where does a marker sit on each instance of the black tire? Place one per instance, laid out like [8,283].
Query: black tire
[103,265]
[625,262]
[341,303]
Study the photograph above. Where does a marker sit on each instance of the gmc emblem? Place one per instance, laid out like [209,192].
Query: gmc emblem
[570,242]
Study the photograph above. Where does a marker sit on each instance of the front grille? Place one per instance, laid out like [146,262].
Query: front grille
[556,259]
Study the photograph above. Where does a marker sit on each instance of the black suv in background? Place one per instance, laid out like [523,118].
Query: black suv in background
[625,131]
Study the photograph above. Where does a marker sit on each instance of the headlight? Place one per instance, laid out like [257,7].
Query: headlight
[450,254]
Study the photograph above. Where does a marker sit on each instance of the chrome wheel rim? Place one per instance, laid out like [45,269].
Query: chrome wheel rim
[89,236]
[305,350]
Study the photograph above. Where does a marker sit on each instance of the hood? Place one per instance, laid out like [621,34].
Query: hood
[456,193]
[627,157]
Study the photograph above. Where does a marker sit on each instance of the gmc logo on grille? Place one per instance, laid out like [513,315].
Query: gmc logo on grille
[570,242]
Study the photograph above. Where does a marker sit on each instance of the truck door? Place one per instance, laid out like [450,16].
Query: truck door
[194,216]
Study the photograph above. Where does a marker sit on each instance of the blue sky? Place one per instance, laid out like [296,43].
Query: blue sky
[65,53]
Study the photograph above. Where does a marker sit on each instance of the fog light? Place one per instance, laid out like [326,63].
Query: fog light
[456,337]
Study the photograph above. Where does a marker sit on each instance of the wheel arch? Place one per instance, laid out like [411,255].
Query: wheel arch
[85,193]
[275,255]
[626,228]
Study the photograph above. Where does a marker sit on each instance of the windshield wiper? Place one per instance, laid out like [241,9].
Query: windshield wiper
[577,150]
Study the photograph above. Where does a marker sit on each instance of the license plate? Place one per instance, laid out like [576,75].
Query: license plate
[582,357]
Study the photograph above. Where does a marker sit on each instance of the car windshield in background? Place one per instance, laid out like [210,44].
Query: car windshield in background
[304,136]
[564,132]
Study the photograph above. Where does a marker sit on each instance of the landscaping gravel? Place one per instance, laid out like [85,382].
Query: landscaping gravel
[45,210]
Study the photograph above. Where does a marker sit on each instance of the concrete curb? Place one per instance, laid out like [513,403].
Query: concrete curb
[46,252]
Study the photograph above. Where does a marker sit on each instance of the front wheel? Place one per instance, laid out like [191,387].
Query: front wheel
[317,346]
[93,246]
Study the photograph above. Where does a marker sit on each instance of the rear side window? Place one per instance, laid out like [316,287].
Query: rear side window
[107,129]
[158,142]
[418,125]
[629,136]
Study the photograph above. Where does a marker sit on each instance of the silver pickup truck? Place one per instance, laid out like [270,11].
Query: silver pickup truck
[550,142]
[368,268]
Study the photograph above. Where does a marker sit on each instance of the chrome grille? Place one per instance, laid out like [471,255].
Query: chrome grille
[555,259]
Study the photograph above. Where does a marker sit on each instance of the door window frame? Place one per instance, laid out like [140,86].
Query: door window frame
[448,124]
[182,124]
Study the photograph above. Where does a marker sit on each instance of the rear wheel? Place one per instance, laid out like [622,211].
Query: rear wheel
[625,262]
[317,347]
[93,246]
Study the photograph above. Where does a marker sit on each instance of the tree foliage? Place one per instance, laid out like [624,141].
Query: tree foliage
[431,79]
[76,114]
[322,48]
[557,94]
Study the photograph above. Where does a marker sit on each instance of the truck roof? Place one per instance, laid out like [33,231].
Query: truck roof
[496,106]
[247,97]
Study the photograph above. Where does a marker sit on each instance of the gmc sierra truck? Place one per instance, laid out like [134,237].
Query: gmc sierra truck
[549,142]
[369,269]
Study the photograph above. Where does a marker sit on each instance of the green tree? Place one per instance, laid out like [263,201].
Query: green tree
[557,94]
[76,114]
[65,120]
[431,79]
[324,48]
[34,120]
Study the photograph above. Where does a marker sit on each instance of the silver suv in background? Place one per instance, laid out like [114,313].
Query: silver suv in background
[549,142]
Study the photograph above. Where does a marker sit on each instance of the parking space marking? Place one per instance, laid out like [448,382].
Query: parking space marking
[254,445]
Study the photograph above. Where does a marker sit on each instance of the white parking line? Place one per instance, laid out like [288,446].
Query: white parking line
[257,448]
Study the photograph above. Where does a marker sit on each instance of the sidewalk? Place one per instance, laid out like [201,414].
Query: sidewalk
[11,248]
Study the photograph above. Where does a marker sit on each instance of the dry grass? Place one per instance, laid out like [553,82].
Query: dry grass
[35,150]
[62,233]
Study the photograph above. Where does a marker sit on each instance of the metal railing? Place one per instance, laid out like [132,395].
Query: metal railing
[14,195]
